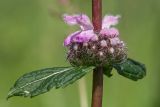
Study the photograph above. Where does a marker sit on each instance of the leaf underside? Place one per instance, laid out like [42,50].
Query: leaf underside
[41,81]
[131,69]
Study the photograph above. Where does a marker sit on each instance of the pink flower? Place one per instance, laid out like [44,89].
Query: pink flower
[86,33]
[107,29]
[109,20]
[110,32]
[79,19]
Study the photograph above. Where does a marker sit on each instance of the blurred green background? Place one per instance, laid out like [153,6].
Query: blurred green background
[31,38]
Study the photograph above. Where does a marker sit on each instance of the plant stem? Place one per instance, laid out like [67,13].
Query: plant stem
[97,14]
[97,89]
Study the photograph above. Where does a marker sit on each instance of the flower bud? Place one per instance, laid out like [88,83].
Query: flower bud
[103,43]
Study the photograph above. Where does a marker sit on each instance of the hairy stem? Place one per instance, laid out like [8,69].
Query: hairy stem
[97,90]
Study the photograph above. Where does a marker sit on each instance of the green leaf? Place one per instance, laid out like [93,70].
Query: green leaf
[41,81]
[107,71]
[131,69]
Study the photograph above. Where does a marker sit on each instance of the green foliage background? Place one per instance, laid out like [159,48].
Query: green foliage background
[31,37]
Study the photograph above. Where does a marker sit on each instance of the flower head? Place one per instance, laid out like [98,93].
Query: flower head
[89,48]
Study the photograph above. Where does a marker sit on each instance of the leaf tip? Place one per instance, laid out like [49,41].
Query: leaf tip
[9,95]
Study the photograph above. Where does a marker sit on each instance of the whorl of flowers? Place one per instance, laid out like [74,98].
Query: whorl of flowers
[87,47]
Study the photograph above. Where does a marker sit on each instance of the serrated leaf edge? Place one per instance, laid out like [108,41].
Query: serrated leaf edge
[13,90]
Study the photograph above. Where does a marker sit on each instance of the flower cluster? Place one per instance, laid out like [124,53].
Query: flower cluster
[87,47]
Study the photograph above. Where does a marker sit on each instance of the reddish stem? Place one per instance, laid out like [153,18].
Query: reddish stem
[97,89]
[97,14]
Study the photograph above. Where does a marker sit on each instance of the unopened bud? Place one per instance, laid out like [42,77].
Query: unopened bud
[85,44]
[75,47]
[93,47]
[103,43]
[111,50]
[101,53]
[114,41]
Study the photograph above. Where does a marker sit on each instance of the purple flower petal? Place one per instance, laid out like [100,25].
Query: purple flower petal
[111,32]
[68,40]
[109,20]
[80,19]
[70,20]
[84,36]
[84,22]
